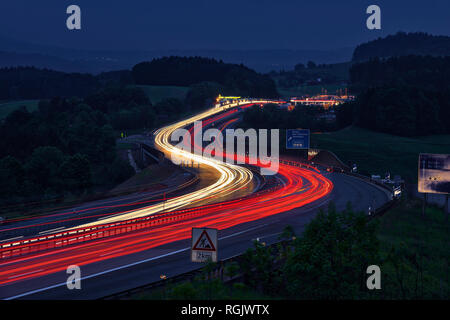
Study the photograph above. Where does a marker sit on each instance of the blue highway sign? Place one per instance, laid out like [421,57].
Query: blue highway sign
[297,139]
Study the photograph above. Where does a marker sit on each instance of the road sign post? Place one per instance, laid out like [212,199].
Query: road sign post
[204,245]
[434,176]
[298,139]
[447,212]
[434,173]
[424,205]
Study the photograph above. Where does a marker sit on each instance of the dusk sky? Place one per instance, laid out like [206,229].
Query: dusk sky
[213,24]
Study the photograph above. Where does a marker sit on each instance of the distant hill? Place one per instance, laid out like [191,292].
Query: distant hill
[13,59]
[403,44]
[96,61]
[31,83]
[405,95]
[430,73]
[187,71]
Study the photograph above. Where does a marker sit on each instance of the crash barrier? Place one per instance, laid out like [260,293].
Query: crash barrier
[218,271]
[78,235]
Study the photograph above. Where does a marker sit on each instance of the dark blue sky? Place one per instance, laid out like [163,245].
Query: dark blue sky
[214,24]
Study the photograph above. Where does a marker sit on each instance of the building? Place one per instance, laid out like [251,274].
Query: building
[323,100]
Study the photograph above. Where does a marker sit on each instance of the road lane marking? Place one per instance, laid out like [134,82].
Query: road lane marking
[267,236]
[124,266]
[24,274]
[51,230]
[108,253]
[15,238]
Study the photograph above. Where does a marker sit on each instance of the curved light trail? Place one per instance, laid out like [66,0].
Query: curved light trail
[299,186]
[231,177]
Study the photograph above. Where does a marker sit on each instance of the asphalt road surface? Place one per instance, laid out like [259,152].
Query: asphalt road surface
[106,277]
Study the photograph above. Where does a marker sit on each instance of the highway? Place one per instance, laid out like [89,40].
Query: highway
[92,210]
[137,256]
[126,272]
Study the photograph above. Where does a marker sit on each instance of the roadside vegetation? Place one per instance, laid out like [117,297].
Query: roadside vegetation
[63,146]
[377,153]
[312,79]
[310,90]
[157,94]
[8,107]
[151,177]
[329,261]
[189,71]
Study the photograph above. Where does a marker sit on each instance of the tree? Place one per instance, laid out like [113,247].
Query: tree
[399,110]
[112,99]
[299,67]
[190,71]
[120,171]
[11,176]
[311,65]
[402,44]
[170,106]
[258,267]
[202,94]
[75,173]
[345,114]
[33,83]
[330,259]
[43,166]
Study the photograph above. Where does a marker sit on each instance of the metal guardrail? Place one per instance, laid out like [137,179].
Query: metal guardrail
[78,235]
[191,274]
[217,272]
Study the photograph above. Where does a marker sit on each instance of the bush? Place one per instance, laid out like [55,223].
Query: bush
[120,170]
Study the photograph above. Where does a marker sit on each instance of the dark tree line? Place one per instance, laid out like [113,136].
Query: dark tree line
[312,74]
[405,96]
[271,116]
[205,77]
[128,108]
[33,83]
[402,44]
[328,261]
[426,72]
[67,145]
[188,71]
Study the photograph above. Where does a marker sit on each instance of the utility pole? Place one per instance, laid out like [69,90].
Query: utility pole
[447,213]
[424,204]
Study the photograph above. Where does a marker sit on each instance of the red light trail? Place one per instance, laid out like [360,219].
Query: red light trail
[299,187]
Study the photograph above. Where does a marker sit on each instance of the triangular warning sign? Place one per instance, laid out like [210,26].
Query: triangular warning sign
[204,243]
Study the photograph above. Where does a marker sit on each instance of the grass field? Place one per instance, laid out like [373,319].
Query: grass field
[149,176]
[8,107]
[378,153]
[158,93]
[423,244]
[125,146]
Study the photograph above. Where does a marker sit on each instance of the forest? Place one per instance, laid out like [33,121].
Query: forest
[68,145]
[32,83]
[65,147]
[406,96]
[402,44]
[186,71]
